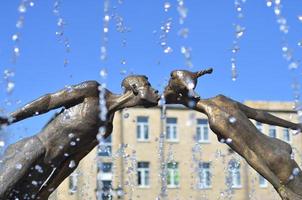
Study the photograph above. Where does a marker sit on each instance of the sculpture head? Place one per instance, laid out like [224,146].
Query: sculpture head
[143,93]
[183,82]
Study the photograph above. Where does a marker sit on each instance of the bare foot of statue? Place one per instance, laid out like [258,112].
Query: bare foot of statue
[230,119]
[34,167]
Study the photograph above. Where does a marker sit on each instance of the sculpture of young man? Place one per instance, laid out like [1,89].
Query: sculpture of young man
[230,121]
[33,167]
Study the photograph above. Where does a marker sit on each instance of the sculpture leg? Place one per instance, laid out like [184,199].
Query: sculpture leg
[18,159]
[64,171]
[256,162]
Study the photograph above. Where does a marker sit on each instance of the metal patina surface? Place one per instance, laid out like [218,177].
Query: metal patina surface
[230,121]
[34,167]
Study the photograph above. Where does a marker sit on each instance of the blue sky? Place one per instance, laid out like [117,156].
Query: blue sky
[263,73]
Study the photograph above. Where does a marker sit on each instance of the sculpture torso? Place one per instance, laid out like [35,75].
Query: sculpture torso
[72,130]
[231,125]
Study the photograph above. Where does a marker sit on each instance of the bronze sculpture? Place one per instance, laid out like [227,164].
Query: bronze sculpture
[229,119]
[33,167]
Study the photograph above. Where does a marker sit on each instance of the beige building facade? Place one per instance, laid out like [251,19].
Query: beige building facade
[187,162]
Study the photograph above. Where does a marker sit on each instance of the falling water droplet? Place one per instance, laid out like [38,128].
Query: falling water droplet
[107,18]
[277,2]
[123,72]
[106,29]
[35,183]
[22,8]
[167,6]
[123,62]
[18,166]
[31,4]
[60,22]
[15,37]
[296,171]
[300,18]
[2,143]
[17,51]
[126,115]
[239,31]
[20,22]
[168,50]
[277,11]
[232,119]
[103,73]
[229,140]
[184,32]
[293,65]
[39,169]
[269,3]
[72,164]
[10,87]
[66,62]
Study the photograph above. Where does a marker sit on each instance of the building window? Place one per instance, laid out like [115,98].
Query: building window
[105,171]
[73,182]
[171,129]
[105,148]
[142,128]
[173,175]
[262,181]
[105,177]
[259,126]
[205,177]
[106,190]
[286,135]
[272,131]
[234,177]
[202,131]
[143,174]
[105,167]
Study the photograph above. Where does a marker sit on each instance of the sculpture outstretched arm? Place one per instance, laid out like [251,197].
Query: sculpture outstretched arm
[265,117]
[66,97]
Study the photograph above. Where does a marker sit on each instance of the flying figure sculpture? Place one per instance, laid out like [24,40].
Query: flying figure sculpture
[230,121]
[34,167]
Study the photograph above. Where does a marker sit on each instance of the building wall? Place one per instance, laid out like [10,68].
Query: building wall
[186,151]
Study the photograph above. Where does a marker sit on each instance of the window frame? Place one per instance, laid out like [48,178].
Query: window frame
[235,175]
[172,127]
[144,173]
[108,146]
[274,129]
[263,184]
[203,175]
[259,126]
[140,129]
[289,135]
[202,127]
[174,174]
